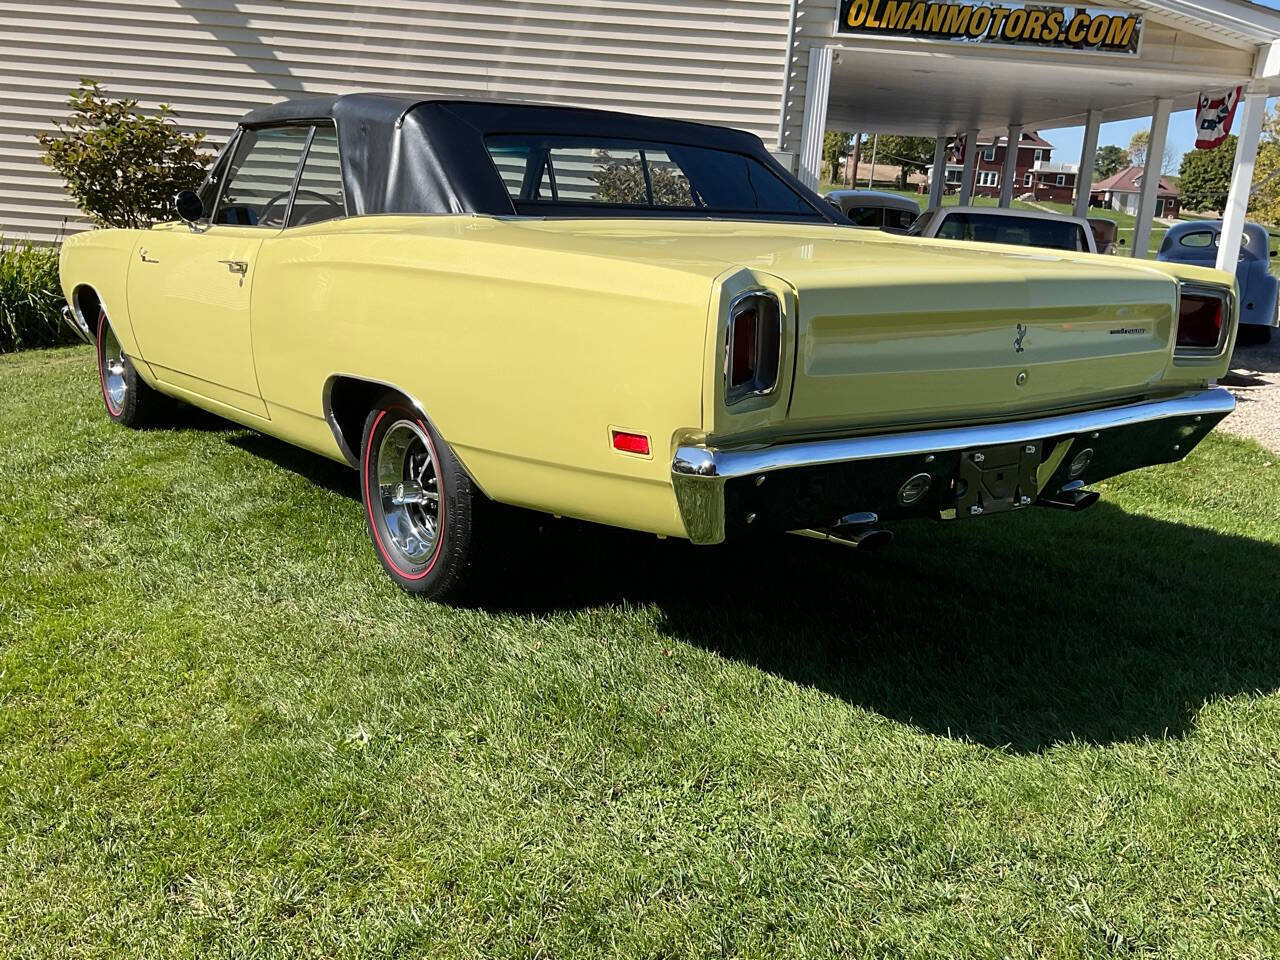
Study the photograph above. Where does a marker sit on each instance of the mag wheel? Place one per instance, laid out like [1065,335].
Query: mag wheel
[420,505]
[128,399]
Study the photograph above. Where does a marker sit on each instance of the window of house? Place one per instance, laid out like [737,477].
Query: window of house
[1062,180]
[1026,180]
[1039,156]
[989,154]
[988,178]
[954,176]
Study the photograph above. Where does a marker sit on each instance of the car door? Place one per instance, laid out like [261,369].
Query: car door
[190,285]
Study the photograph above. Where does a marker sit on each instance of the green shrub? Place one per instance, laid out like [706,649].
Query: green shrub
[123,167]
[30,298]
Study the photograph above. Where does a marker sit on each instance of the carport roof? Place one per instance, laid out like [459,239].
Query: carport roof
[931,88]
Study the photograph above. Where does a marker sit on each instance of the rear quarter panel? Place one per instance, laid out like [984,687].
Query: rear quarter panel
[523,357]
[101,259]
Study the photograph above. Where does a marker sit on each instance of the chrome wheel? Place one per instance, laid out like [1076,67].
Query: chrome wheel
[113,381]
[409,491]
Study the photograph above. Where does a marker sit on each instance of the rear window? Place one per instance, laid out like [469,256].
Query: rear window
[546,175]
[1200,238]
[1022,231]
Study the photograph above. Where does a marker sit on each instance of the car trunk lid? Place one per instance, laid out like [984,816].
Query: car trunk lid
[946,337]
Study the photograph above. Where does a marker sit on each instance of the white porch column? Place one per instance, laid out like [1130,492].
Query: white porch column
[1250,125]
[1151,177]
[1010,172]
[970,161]
[1088,155]
[817,88]
[939,177]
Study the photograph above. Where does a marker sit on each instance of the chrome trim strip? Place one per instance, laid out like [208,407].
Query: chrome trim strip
[77,325]
[733,395]
[1229,305]
[698,473]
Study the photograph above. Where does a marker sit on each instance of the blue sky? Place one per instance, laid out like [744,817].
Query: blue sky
[1182,133]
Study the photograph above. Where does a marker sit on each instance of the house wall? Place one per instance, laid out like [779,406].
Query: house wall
[720,61]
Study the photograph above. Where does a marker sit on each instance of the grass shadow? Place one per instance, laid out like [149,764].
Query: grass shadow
[1021,632]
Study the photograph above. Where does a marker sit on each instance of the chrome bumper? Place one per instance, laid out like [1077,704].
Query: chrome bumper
[77,325]
[726,492]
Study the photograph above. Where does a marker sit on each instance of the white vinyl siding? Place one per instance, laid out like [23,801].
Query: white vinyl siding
[717,61]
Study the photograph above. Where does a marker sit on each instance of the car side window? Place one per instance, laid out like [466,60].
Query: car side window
[866,216]
[261,176]
[953,228]
[319,196]
[899,219]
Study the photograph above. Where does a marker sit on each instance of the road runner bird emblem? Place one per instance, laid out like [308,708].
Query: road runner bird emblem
[1017,341]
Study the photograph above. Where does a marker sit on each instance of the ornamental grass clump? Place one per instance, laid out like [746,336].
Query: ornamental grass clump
[30,298]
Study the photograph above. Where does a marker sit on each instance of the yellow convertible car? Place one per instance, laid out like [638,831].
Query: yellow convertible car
[633,321]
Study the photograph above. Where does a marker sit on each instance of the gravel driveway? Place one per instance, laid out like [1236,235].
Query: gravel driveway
[1255,380]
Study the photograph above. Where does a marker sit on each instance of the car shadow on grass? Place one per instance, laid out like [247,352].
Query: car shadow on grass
[1020,632]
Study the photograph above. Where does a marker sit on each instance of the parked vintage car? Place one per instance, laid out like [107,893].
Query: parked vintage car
[889,212]
[1105,233]
[1024,228]
[1196,241]
[640,322]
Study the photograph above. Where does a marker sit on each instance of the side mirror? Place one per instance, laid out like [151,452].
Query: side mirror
[189,205]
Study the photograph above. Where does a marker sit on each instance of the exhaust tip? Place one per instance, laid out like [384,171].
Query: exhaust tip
[1074,500]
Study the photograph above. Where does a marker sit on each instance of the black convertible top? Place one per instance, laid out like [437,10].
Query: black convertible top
[409,154]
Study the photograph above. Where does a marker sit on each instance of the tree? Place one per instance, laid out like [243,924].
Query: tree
[909,153]
[1264,204]
[1109,160]
[835,147]
[1138,145]
[1205,176]
[121,166]
[624,181]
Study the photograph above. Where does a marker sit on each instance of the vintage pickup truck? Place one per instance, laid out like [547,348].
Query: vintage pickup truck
[639,322]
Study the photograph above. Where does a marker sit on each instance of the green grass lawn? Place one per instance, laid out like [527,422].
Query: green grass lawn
[226,733]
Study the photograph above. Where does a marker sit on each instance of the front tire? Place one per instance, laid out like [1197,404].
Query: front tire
[420,504]
[128,399]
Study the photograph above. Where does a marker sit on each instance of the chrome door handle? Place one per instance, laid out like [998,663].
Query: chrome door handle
[236,266]
[142,252]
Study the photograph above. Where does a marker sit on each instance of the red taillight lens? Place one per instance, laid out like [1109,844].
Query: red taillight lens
[754,347]
[742,363]
[631,442]
[1200,320]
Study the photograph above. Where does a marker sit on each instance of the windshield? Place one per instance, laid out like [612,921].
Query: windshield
[1024,231]
[576,176]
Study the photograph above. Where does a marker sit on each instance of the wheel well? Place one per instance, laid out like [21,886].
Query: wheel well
[347,402]
[86,303]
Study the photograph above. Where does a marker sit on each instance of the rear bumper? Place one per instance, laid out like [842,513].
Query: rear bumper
[723,493]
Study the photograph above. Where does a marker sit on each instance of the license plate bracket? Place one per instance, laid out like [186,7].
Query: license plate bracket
[997,479]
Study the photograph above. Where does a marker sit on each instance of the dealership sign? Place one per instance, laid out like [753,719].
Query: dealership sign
[1059,28]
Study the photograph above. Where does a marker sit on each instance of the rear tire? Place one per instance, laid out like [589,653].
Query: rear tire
[421,508]
[127,397]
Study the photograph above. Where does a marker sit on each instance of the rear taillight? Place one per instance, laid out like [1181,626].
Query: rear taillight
[753,347]
[1202,319]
